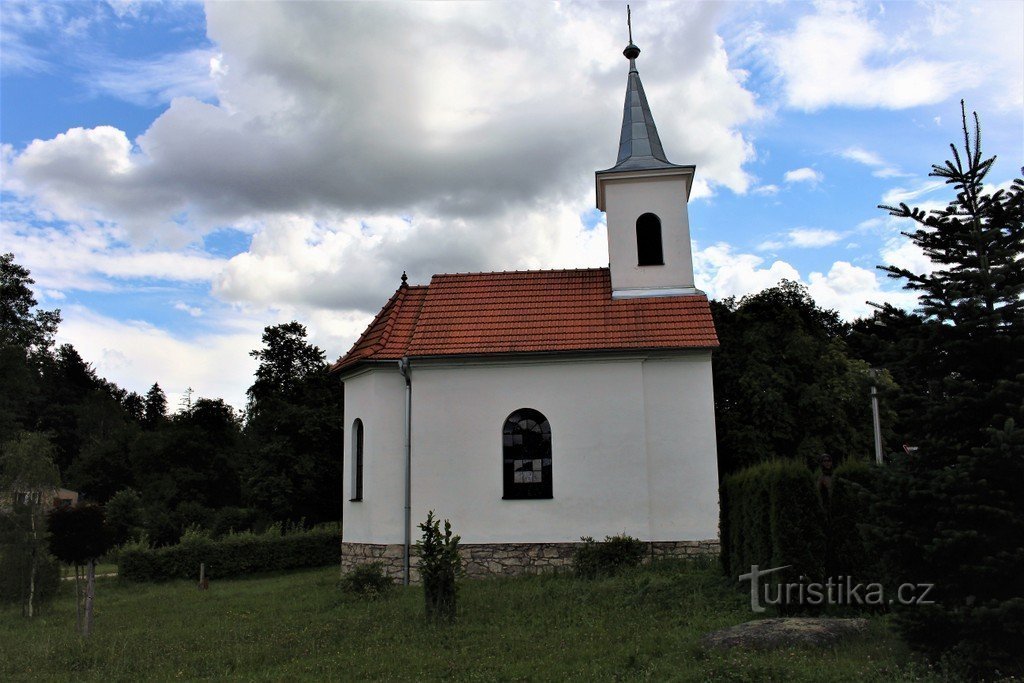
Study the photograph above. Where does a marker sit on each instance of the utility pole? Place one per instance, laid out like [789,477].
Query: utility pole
[874,416]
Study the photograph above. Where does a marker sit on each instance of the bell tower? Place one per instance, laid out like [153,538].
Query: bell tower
[645,198]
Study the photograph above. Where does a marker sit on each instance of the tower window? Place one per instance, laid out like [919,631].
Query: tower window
[357,460]
[648,241]
[526,455]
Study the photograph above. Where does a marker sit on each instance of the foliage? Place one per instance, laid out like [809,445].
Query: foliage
[27,471]
[785,385]
[233,555]
[20,325]
[124,516]
[952,513]
[593,559]
[644,625]
[198,466]
[439,565]
[154,407]
[367,580]
[27,479]
[773,517]
[78,534]
[294,431]
[848,511]
[16,567]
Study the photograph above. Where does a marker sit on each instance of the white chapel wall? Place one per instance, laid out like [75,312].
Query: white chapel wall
[609,456]
[681,448]
[376,397]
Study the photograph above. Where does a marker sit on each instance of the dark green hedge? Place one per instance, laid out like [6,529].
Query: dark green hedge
[772,516]
[236,555]
[848,506]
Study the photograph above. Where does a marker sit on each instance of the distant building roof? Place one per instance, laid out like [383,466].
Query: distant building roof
[538,311]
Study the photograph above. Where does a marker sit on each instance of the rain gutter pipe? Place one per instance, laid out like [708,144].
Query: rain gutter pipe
[403,368]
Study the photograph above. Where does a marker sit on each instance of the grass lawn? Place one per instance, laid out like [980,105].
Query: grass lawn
[644,625]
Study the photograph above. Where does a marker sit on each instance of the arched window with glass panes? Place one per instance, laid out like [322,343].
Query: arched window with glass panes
[526,455]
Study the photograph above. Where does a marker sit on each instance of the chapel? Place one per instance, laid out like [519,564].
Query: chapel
[533,408]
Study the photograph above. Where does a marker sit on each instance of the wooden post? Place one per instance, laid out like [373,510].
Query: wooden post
[203,581]
[90,593]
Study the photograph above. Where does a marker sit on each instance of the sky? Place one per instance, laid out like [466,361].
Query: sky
[178,176]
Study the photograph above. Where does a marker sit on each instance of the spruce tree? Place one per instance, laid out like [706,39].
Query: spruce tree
[154,407]
[952,514]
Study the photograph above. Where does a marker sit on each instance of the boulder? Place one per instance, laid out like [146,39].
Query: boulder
[767,634]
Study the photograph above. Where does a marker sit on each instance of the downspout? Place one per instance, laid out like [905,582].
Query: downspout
[403,368]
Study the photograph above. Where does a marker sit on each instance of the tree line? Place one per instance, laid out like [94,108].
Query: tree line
[160,473]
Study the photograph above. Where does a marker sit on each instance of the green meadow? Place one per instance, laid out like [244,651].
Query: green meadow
[645,624]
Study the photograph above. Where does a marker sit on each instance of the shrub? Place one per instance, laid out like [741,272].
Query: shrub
[440,566]
[368,580]
[774,518]
[847,553]
[608,557]
[234,555]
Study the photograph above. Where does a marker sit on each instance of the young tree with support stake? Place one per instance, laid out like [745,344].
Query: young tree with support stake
[79,536]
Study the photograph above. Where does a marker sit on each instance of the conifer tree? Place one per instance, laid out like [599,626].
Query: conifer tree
[953,513]
[155,407]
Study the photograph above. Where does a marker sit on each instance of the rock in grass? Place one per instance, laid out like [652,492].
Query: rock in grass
[767,634]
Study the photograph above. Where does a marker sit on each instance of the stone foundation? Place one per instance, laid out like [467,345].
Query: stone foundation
[482,560]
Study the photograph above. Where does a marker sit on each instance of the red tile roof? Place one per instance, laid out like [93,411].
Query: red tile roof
[528,312]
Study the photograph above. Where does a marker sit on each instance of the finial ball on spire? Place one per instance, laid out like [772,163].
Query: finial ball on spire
[405,279]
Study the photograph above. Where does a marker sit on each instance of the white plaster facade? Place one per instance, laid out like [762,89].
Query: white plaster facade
[633,448]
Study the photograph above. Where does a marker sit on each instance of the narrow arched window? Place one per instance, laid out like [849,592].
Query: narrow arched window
[648,241]
[357,460]
[526,455]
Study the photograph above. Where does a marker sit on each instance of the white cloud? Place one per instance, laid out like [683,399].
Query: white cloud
[768,190]
[882,169]
[156,81]
[898,195]
[722,272]
[847,289]
[95,259]
[193,311]
[813,237]
[901,252]
[804,175]
[839,56]
[135,354]
[321,132]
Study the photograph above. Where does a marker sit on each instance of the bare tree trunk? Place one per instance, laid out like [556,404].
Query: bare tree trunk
[78,597]
[33,561]
[90,592]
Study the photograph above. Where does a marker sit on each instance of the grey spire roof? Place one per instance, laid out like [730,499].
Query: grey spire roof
[639,145]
